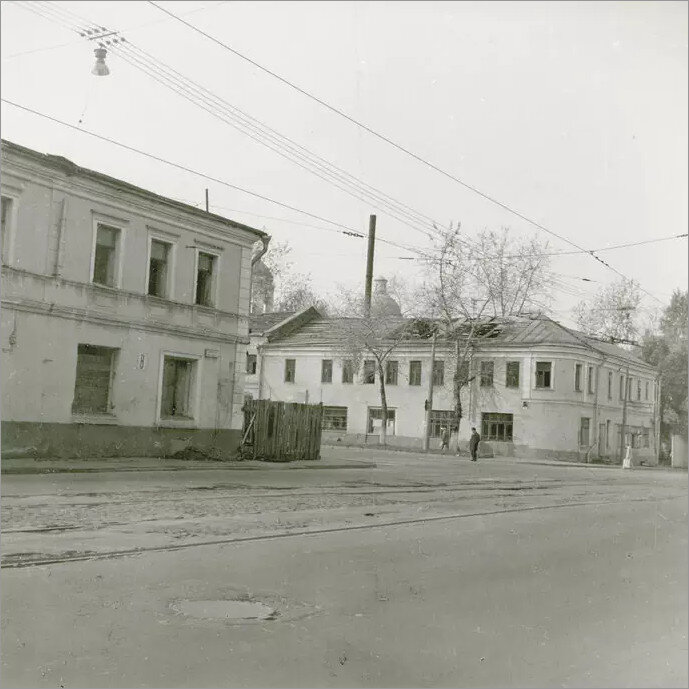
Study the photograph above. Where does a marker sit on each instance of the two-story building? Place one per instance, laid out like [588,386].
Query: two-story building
[535,388]
[124,315]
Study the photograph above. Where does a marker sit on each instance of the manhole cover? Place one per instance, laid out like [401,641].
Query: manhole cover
[225,610]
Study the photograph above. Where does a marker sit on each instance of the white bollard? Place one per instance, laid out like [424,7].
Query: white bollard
[627,461]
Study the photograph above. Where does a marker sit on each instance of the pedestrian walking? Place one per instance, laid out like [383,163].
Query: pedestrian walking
[444,439]
[473,444]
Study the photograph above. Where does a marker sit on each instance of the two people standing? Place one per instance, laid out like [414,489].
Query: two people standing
[473,442]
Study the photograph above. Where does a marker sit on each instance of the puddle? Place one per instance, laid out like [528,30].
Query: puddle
[225,610]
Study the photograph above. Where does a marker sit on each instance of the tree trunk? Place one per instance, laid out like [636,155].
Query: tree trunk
[383,404]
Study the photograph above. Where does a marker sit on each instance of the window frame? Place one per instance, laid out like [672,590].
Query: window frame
[622,386]
[610,384]
[590,380]
[7,255]
[483,376]
[170,240]
[417,365]
[328,415]
[390,366]
[581,431]
[347,371]
[578,369]
[646,393]
[251,358]
[215,280]
[438,373]
[551,385]
[286,369]
[110,405]
[110,224]
[323,371]
[368,377]
[509,382]
[492,418]
[194,390]
[638,389]
[441,418]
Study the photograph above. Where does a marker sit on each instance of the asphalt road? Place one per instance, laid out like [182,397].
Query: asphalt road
[420,572]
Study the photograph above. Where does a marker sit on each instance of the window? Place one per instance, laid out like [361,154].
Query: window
[334,419]
[609,385]
[375,416]
[442,419]
[496,426]
[439,373]
[177,385]
[584,432]
[158,268]
[326,370]
[638,389]
[543,374]
[577,377]
[646,397]
[463,371]
[645,435]
[6,217]
[250,364]
[391,371]
[106,256]
[414,373]
[205,279]
[621,387]
[290,370]
[512,374]
[347,371]
[607,432]
[93,384]
[369,372]
[486,374]
[590,379]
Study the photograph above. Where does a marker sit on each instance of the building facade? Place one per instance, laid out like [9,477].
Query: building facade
[124,315]
[536,389]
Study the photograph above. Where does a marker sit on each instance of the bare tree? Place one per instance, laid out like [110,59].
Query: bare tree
[613,313]
[470,285]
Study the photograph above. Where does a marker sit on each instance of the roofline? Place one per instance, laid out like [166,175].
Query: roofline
[70,168]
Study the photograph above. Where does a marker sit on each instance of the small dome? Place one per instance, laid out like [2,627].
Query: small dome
[382,304]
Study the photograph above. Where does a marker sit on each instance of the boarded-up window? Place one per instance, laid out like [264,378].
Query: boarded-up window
[414,373]
[439,373]
[177,382]
[391,371]
[105,258]
[326,371]
[290,370]
[92,387]
[334,418]
[512,374]
[158,269]
[205,279]
[369,371]
[543,374]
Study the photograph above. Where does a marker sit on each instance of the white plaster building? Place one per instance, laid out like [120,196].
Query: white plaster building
[124,315]
[539,389]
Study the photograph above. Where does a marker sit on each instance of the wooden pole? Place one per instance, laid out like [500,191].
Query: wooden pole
[369,265]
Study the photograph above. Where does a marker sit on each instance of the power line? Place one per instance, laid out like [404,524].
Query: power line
[393,143]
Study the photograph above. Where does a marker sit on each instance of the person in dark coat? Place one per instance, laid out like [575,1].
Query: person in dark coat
[473,444]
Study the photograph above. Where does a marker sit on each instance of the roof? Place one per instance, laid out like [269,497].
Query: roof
[525,331]
[260,322]
[68,167]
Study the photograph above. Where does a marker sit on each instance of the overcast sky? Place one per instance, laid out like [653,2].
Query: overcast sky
[574,114]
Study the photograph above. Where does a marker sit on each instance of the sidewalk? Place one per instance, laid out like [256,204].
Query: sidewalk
[30,465]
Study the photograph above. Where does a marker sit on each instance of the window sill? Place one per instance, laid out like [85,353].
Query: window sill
[97,419]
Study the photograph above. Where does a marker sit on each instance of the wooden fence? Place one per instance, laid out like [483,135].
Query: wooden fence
[281,431]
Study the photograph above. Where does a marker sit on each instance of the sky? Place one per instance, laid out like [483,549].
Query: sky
[574,114]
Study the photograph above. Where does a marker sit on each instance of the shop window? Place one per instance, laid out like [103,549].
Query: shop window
[375,416]
[496,426]
[334,419]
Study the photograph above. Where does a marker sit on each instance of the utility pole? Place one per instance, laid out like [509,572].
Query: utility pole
[207,201]
[429,401]
[623,435]
[369,265]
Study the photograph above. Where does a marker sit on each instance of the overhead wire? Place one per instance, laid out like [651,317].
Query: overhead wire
[399,147]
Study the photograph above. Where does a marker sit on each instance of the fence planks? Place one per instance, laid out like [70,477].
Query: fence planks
[281,431]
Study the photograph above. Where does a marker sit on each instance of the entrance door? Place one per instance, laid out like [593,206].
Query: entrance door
[602,444]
